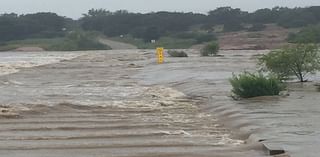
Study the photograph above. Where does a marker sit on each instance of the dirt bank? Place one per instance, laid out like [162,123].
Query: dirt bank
[272,37]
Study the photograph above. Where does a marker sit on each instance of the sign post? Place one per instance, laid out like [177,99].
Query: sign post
[160,55]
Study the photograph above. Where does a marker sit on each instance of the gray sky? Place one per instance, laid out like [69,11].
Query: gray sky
[75,8]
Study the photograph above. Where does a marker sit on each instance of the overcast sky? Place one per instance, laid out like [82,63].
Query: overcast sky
[75,8]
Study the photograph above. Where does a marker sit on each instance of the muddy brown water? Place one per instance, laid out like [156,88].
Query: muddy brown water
[121,103]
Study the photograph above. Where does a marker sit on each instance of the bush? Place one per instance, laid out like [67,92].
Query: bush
[247,85]
[210,49]
[175,53]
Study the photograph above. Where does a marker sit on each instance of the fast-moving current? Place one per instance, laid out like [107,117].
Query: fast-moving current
[122,103]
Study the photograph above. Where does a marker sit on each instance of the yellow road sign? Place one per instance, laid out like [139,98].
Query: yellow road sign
[160,55]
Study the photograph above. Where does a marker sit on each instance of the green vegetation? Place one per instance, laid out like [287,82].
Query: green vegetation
[180,29]
[230,18]
[153,26]
[5,47]
[150,26]
[247,85]
[39,25]
[78,40]
[44,43]
[298,60]
[176,53]
[210,49]
[309,34]
[72,42]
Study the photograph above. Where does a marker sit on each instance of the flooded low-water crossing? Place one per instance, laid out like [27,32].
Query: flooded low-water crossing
[122,103]
[94,104]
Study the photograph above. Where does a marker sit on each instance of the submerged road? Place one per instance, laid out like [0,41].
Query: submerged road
[119,103]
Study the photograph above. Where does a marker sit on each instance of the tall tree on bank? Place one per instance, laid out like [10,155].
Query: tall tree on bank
[298,60]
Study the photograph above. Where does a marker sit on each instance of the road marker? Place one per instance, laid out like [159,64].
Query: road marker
[160,55]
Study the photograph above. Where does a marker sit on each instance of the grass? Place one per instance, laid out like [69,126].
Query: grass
[247,85]
[8,47]
[43,43]
[75,41]
[166,42]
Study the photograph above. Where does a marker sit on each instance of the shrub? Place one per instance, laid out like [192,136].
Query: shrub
[210,49]
[175,53]
[247,85]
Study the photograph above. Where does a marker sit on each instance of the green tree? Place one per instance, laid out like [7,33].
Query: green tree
[298,60]
[97,12]
[264,16]
[38,25]
[210,49]
[229,17]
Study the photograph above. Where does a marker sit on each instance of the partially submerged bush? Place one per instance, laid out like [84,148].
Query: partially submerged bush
[247,85]
[210,49]
[175,53]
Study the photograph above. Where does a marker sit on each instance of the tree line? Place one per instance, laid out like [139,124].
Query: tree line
[152,25]
[39,25]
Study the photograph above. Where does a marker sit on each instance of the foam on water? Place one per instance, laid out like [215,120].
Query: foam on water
[11,62]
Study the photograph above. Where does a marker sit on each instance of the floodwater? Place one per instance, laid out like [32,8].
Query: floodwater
[11,62]
[121,103]
[288,122]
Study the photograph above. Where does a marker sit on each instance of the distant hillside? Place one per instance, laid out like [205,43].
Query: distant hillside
[155,25]
[191,28]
